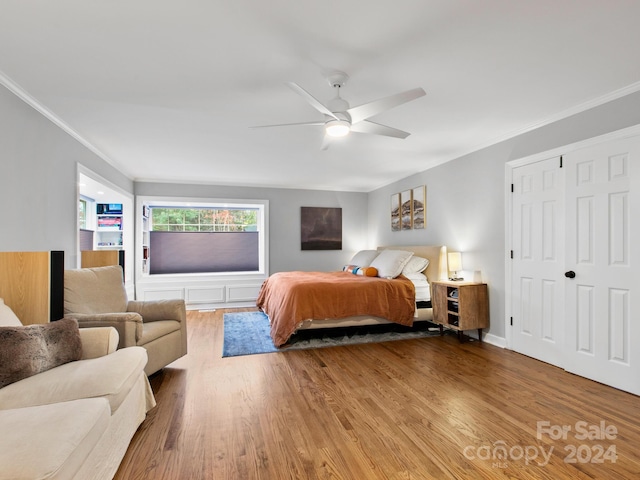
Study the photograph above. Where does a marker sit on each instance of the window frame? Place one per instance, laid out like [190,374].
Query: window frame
[262,206]
[200,226]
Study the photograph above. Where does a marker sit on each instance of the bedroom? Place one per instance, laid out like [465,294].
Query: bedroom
[38,166]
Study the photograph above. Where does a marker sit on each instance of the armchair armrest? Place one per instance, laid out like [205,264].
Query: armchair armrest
[98,341]
[127,324]
[152,310]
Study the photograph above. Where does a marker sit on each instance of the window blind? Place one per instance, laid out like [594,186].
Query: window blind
[203,252]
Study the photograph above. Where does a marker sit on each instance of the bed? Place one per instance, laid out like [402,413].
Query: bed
[296,301]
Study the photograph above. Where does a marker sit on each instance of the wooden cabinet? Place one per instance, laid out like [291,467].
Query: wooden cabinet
[460,305]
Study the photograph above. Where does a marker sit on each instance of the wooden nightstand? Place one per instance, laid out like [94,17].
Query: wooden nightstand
[460,306]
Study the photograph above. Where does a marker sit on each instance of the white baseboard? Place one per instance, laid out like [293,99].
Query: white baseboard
[218,306]
[495,340]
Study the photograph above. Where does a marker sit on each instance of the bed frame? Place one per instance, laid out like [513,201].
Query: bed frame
[436,269]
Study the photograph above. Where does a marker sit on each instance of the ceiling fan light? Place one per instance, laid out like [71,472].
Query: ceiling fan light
[337,128]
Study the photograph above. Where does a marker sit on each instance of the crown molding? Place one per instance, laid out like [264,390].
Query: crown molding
[39,107]
[582,107]
[23,95]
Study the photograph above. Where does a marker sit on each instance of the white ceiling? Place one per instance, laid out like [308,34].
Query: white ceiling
[166,90]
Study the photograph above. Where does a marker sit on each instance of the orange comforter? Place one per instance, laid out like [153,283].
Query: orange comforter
[288,298]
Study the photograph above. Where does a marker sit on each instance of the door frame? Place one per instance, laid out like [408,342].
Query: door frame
[509,167]
[127,200]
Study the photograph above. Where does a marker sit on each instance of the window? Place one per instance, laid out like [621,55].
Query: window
[217,238]
[204,219]
[82,213]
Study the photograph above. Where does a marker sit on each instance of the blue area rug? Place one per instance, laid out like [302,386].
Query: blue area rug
[247,333]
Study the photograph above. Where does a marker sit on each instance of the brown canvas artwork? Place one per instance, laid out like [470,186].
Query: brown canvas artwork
[321,228]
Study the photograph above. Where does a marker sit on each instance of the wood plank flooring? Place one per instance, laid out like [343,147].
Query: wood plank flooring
[428,408]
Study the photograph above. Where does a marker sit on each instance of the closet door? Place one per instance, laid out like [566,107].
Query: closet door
[537,302]
[602,257]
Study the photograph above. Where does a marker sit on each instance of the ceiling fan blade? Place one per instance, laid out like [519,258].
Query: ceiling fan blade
[288,124]
[311,100]
[366,126]
[370,109]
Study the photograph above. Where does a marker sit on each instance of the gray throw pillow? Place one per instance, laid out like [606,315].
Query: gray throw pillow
[31,349]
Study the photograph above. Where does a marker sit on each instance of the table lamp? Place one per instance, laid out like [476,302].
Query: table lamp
[455,265]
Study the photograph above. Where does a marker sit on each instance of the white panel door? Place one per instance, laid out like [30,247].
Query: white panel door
[602,249]
[537,304]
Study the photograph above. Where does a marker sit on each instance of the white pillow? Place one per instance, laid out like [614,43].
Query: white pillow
[415,265]
[363,258]
[391,262]
[7,317]
[416,278]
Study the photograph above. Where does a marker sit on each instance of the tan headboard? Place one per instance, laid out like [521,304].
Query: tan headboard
[435,253]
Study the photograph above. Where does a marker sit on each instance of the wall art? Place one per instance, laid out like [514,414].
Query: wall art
[320,228]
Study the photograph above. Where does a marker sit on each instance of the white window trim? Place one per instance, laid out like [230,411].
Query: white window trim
[189,202]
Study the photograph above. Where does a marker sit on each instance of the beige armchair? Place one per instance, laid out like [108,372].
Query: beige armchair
[96,297]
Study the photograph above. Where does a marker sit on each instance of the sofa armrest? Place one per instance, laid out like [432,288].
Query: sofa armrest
[98,341]
[152,310]
[127,324]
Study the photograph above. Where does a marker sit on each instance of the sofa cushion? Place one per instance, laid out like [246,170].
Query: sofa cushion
[94,290]
[111,376]
[31,349]
[50,441]
[155,330]
[7,317]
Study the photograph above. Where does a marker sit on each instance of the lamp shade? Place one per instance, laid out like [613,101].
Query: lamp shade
[442,263]
[455,261]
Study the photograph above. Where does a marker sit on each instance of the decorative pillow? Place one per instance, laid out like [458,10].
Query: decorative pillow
[366,271]
[7,317]
[364,258]
[415,265]
[391,262]
[31,349]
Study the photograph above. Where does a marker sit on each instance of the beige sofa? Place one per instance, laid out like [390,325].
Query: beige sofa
[97,297]
[74,421]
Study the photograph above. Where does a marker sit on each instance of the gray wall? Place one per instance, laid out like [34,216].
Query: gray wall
[38,194]
[284,220]
[466,197]
[38,191]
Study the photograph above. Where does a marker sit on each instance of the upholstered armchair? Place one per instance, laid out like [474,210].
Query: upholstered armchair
[97,297]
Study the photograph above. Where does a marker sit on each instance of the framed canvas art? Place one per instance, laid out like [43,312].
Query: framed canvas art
[320,228]
[405,209]
[395,212]
[419,207]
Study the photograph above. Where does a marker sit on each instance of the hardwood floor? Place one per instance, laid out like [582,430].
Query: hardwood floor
[428,408]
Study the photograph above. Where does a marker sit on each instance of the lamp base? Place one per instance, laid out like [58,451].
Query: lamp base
[455,277]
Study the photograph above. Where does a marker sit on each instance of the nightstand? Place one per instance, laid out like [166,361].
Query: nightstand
[460,306]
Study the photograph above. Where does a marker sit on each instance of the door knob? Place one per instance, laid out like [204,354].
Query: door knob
[570,274]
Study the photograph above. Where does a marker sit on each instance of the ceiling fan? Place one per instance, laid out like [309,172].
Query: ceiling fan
[340,119]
